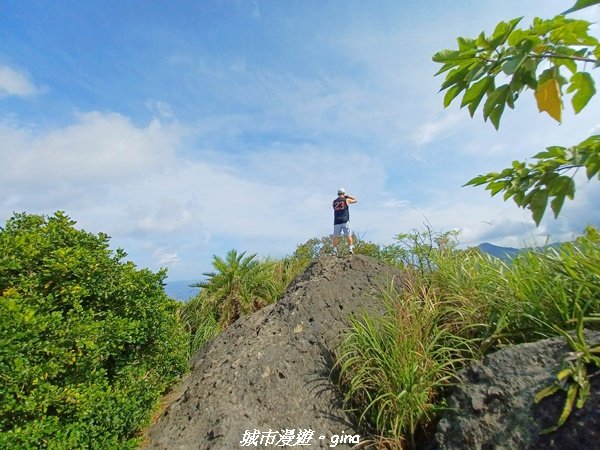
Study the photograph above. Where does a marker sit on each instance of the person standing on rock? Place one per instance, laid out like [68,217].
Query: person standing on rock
[341,219]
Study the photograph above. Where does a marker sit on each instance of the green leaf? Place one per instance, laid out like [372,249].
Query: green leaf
[496,115]
[580,4]
[452,93]
[453,56]
[562,185]
[482,41]
[546,392]
[474,94]
[582,84]
[567,61]
[494,104]
[546,75]
[512,64]
[502,31]
[455,77]
[556,204]
[477,181]
[592,169]
[570,188]
[445,67]
[465,44]
[571,394]
[517,36]
[537,204]
[553,151]
[495,186]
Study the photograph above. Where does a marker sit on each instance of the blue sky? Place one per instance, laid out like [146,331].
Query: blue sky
[185,128]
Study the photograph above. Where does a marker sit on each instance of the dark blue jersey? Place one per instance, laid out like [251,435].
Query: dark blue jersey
[341,212]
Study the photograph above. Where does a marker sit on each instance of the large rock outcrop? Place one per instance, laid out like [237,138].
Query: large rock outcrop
[267,379]
[270,373]
[492,406]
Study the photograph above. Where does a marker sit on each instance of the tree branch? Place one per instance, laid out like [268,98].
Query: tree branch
[573,58]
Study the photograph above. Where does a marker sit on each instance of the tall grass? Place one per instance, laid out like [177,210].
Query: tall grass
[461,305]
[200,318]
[392,367]
[525,299]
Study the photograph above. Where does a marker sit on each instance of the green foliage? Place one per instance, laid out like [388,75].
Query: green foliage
[573,378]
[87,342]
[418,250]
[239,285]
[459,305]
[394,366]
[581,4]
[520,55]
[201,320]
[313,249]
[526,299]
[550,56]
[533,185]
[242,284]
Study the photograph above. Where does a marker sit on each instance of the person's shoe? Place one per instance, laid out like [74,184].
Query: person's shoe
[351,251]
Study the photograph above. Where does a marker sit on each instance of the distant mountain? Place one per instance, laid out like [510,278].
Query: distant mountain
[507,253]
[503,253]
[181,289]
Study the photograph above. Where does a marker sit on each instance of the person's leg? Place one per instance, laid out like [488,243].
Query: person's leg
[337,231]
[348,234]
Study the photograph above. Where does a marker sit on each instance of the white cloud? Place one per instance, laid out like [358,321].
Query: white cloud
[15,83]
[266,144]
[165,258]
[160,109]
[98,148]
[395,203]
[438,129]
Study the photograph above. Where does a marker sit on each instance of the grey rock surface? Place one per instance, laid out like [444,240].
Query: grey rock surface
[270,372]
[492,406]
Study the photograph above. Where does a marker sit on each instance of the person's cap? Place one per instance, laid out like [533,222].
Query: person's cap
[341,191]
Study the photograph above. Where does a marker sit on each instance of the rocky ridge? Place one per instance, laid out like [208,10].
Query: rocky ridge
[270,372]
[266,381]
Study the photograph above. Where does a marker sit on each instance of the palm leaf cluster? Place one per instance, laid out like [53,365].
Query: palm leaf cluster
[238,285]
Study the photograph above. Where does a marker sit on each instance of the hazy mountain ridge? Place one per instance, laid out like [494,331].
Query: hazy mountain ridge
[507,253]
[498,251]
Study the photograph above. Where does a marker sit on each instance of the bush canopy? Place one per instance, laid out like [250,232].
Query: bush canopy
[88,342]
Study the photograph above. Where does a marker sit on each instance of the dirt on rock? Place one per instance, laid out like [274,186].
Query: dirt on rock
[267,379]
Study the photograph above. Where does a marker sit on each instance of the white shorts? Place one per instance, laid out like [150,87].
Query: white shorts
[340,228]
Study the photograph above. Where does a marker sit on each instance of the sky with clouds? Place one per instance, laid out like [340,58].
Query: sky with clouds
[183,129]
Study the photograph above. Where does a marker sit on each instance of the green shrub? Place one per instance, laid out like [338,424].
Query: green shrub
[87,341]
[393,367]
[525,299]
[200,317]
[459,305]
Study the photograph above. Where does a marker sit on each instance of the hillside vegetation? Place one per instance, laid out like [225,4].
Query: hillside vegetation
[89,342]
[456,306]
